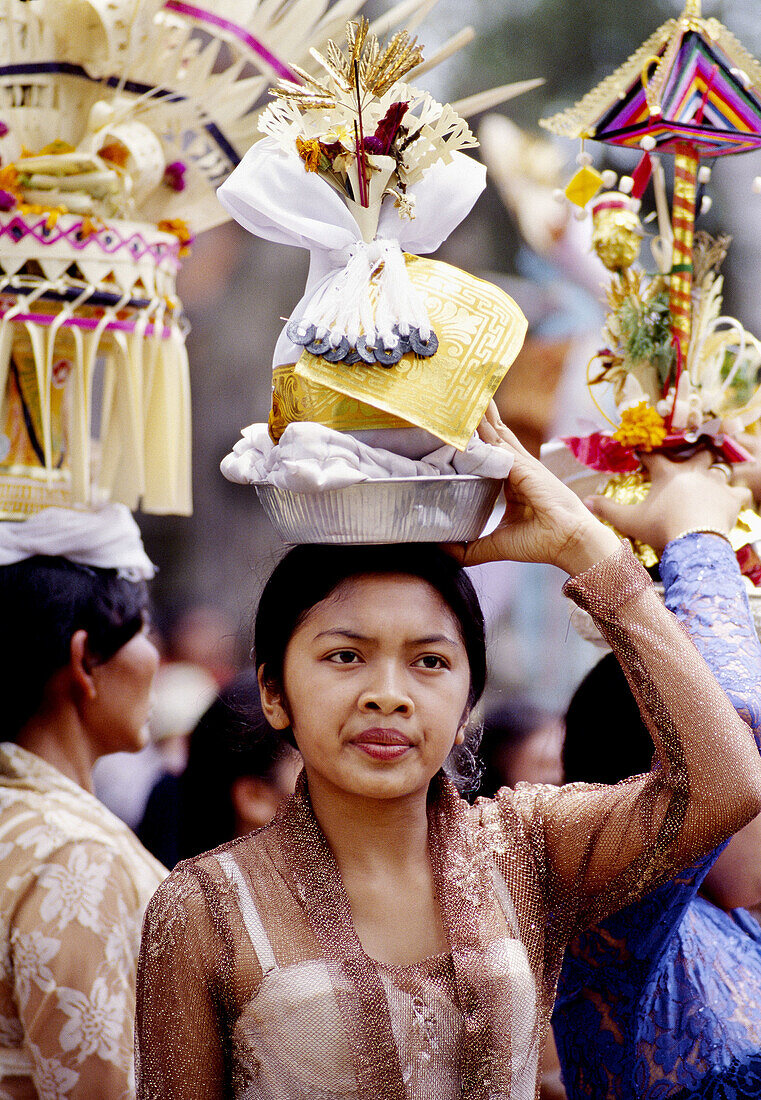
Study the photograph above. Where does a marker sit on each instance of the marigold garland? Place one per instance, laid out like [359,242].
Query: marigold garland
[641,427]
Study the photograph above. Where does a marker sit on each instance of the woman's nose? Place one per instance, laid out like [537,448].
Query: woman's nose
[386,694]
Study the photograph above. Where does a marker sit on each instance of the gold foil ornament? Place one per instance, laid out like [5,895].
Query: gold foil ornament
[480,331]
[631,489]
[617,231]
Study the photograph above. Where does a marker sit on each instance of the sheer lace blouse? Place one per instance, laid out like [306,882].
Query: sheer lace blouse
[253,983]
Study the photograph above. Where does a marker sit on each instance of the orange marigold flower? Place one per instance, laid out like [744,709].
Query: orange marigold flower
[310,152]
[114,153]
[641,427]
[9,180]
[180,230]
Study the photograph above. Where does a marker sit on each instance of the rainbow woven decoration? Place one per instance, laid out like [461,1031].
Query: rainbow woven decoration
[691,90]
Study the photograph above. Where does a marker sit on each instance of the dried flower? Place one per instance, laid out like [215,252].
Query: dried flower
[180,230]
[8,201]
[310,152]
[174,175]
[382,141]
[641,427]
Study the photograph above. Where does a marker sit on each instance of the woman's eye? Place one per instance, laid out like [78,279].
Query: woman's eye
[432,661]
[344,657]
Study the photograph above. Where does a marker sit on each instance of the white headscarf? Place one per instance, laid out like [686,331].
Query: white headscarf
[107,538]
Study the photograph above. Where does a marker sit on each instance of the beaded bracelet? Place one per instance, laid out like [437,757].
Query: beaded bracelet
[701,531]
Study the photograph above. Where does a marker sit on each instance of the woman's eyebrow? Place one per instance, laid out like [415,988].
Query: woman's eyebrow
[345,632]
[342,632]
[433,639]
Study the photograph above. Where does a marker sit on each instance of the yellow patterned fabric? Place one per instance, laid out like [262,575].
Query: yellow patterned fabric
[253,983]
[480,331]
[74,884]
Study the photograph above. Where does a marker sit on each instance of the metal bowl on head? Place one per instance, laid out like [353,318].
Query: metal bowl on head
[416,509]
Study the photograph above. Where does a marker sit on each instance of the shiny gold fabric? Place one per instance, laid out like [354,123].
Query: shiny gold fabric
[253,983]
[295,399]
[480,331]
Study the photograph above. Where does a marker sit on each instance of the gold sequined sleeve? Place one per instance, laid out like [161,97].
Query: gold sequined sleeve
[598,848]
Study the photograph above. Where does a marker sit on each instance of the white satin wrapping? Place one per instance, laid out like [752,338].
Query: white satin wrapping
[272,196]
[311,458]
[107,538]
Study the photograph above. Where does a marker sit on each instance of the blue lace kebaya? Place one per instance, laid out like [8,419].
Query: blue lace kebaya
[662,1000]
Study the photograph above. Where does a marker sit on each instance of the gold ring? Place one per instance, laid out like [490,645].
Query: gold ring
[724,467]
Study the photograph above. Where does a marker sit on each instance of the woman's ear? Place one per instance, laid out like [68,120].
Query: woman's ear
[460,736]
[79,666]
[272,703]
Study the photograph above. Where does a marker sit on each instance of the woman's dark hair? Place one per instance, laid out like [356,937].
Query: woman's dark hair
[44,602]
[232,739]
[605,737]
[309,574]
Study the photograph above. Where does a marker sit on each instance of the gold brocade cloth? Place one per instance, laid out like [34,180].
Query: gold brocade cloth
[480,331]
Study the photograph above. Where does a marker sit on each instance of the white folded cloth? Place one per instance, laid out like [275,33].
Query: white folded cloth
[272,196]
[312,458]
[107,538]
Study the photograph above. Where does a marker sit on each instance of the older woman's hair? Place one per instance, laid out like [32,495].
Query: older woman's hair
[605,737]
[44,601]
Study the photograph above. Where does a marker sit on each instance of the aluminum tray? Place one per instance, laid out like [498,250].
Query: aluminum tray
[417,509]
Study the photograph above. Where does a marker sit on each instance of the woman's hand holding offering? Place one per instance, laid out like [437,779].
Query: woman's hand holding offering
[544,520]
[684,496]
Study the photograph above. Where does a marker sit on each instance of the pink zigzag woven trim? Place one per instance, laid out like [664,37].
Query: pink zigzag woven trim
[109,240]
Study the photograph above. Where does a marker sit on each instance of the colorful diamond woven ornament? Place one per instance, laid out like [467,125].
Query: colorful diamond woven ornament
[583,186]
[692,90]
[690,82]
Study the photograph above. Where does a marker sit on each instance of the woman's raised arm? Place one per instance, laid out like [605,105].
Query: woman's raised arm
[606,846]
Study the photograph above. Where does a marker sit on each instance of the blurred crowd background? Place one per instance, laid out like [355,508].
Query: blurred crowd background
[237,290]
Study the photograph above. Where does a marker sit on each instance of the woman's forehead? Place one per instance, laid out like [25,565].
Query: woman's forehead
[397,597]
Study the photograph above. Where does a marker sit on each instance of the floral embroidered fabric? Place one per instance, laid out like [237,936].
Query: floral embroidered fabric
[74,884]
[663,1000]
[253,983]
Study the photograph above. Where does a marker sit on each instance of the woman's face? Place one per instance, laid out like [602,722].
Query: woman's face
[117,716]
[376,682]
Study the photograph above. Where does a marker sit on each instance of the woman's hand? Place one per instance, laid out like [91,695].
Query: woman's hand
[683,496]
[749,473]
[544,520]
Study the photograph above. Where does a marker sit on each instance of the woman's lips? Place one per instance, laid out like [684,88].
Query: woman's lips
[382,744]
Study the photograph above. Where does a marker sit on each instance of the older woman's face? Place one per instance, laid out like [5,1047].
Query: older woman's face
[117,718]
[376,683]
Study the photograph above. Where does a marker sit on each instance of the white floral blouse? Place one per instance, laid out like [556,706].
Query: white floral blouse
[74,884]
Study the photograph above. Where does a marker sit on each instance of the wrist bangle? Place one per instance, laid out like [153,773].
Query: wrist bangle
[701,531]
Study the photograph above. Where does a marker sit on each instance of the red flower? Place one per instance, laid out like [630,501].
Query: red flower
[602,452]
[382,140]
